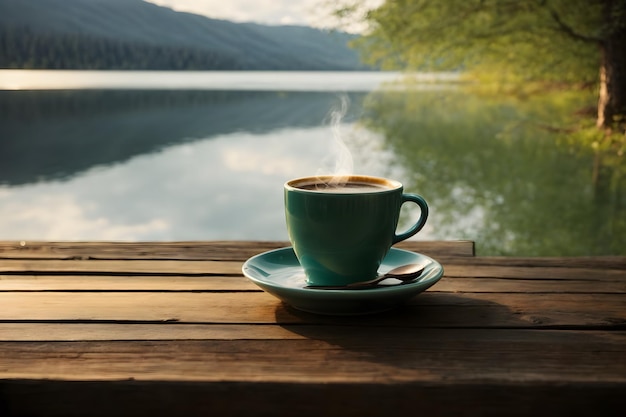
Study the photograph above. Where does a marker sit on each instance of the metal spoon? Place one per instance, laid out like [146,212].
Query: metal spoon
[405,273]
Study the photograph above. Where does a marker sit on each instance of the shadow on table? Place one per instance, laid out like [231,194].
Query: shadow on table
[417,335]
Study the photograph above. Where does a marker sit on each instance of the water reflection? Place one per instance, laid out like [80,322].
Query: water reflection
[225,187]
[186,165]
[162,165]
[55,134]
[191,191]
[506,184]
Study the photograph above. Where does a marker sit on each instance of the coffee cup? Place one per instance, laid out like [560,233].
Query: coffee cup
[341,230]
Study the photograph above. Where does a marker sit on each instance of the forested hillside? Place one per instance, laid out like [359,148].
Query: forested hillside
[25,49]
[133,34]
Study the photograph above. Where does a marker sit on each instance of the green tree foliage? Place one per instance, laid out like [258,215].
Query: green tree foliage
[26,48]
[514,42]
[504,38]
[557,169]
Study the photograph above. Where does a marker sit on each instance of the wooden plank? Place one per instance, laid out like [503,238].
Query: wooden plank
[537,272]
[32,332]
[124,283]
[335,354]
[591,262]
[430,309]
[103,267]
[172,331]
[516,336]
[190,250]
[204,268]
[137,398]
[242,250]
[194,250]
[332,371]
[529,285]
[143,283]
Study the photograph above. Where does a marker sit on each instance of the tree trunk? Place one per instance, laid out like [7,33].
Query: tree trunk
[612,96]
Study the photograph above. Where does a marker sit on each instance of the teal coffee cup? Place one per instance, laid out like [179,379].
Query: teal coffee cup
[341,231]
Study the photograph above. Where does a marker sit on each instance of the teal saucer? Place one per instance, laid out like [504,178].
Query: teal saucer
[279,273]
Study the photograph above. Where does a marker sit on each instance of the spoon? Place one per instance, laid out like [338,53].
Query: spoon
[404,273]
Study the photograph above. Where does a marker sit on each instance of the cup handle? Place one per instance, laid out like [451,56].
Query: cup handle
[414,198]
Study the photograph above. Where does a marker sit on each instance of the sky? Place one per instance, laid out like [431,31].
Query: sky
[274,12]
[315,13]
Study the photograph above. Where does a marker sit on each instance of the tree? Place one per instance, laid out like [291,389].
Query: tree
[552,42]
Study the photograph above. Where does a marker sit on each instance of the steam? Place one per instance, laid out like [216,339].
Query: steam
[339,163]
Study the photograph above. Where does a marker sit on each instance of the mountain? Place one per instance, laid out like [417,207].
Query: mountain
[134,34]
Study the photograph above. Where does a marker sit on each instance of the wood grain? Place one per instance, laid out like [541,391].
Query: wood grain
[216,250]
[173,328]
[123,267]
[426,310]
[333,354]
[179,283]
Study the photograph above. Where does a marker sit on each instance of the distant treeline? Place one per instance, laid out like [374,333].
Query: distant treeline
[22,48]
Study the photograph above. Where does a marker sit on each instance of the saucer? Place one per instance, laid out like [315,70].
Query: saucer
[279,273]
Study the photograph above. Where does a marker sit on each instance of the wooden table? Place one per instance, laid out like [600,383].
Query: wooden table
[151,329]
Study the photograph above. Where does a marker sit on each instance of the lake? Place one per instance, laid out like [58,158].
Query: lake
[88,155]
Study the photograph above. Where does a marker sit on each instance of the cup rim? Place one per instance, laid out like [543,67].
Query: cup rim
[389,184]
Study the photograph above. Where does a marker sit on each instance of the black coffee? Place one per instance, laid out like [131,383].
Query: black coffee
[348,188]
